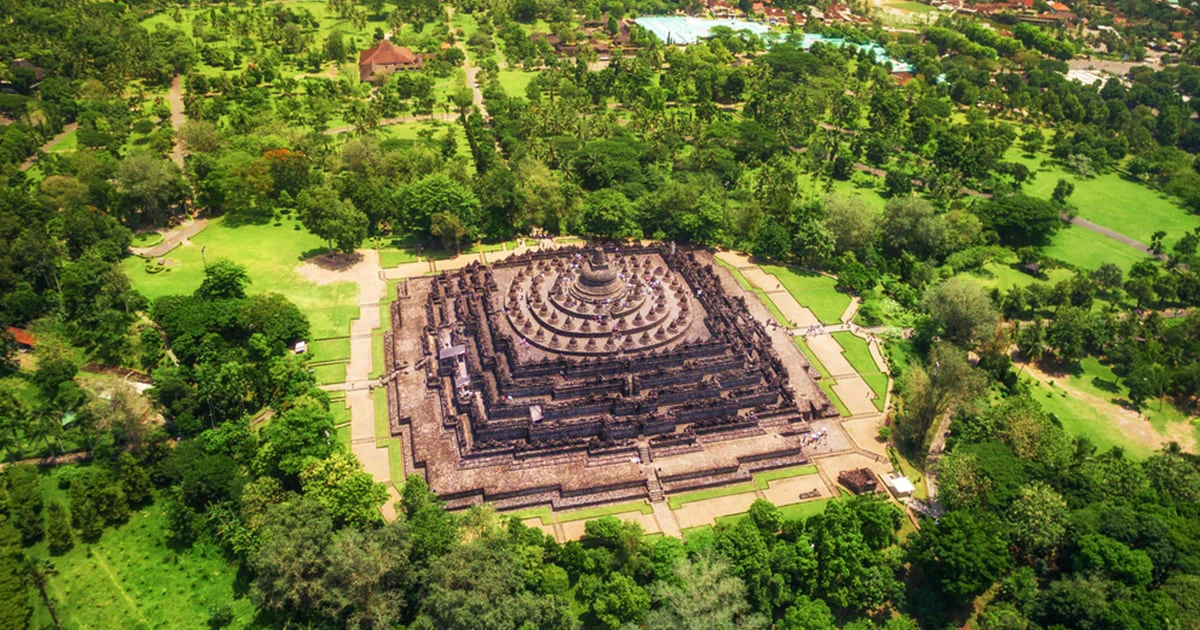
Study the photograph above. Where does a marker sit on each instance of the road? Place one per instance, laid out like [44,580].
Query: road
[171,239]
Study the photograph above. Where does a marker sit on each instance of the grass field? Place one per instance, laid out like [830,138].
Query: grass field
[858,353]
[330,349]
[1079,418]
[813,291]
[1088,250]
[329,373]
[1111,200]
[270,255]
[1003,276]
[70,142]
[514,82]
[132,579]
[550,517]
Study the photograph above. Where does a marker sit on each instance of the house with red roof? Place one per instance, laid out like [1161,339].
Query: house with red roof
[385,58]
[1058,7]
[24,338]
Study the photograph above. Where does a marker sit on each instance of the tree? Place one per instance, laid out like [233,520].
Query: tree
[608,213]
[421,200]
[930,390]
[292,559]
[293,438]
[773,242]
[148,185]
[135,481]
[14,595]
[223,280]
[370,576]
[962,312]
[1038,521]
[853,222]
[333,219]
[912,224]
[349,493]
[58,528]
[23,488]
[1021,219]
[961,557]
[807,614]
[614,600]
[1062,190]
[703,594]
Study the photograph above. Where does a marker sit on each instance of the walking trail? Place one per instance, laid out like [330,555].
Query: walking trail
[67,129]
[175,100]
[172,239]
[359,386]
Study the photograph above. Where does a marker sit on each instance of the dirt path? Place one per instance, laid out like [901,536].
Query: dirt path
[120,589]
[49,144]
[1131,424]
[175,100]
[1116,236]
[172,239]
[51,460]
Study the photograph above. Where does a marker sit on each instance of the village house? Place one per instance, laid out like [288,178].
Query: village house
[384,58]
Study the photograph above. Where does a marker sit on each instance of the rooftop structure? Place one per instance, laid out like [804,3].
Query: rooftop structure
[385,58]
[578,376]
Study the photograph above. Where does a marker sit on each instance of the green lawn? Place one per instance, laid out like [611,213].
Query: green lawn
[1079,418]
[1111,200]
[759,481]
[331,349]
[514,82]
[1002,276]
[857,352]
[147,239]
[70,142]
[329,373]
[131,579]
[548,516]
[913,7]
[813,291]
[1088,250]
[270,255]
[827,381]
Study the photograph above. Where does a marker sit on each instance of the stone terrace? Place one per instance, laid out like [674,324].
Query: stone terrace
[580,376]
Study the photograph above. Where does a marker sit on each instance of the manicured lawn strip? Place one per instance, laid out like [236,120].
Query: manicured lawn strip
[130,577]
[341,413]
[857,352]
[377,357]
[827,381]
[592,513]
[762,296]
[763,479]
[542,512]
[677,501]
[329,349]
[329,307]
[343,435]
[814,291]
[330,373]
[383,429]
[878,382]
[395,458]
[759,482]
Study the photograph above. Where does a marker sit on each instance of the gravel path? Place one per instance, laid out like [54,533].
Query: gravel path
[171,239]
[49,144]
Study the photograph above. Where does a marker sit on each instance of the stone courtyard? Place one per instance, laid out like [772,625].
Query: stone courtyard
[578,376]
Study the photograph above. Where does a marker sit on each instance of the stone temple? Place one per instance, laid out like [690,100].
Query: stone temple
[577,376]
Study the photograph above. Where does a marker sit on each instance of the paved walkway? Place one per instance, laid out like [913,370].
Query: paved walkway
[172,239]
[175,100]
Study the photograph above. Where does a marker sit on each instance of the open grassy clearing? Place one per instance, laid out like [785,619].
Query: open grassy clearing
[995,275]
[1086,249]
[514,82]
[329,307]
[132,579]
[1113,200]
[1079,418]
[330,349]
[813,291]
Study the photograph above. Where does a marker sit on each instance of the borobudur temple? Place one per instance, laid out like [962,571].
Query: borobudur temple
[577,376]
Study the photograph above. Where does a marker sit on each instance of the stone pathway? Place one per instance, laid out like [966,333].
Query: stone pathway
[172,239]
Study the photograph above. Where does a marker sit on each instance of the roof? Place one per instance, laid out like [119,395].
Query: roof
[23,337]
[1059,7]
[901,485]
[386,53]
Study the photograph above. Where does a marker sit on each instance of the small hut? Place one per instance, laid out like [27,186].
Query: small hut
[859,480]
